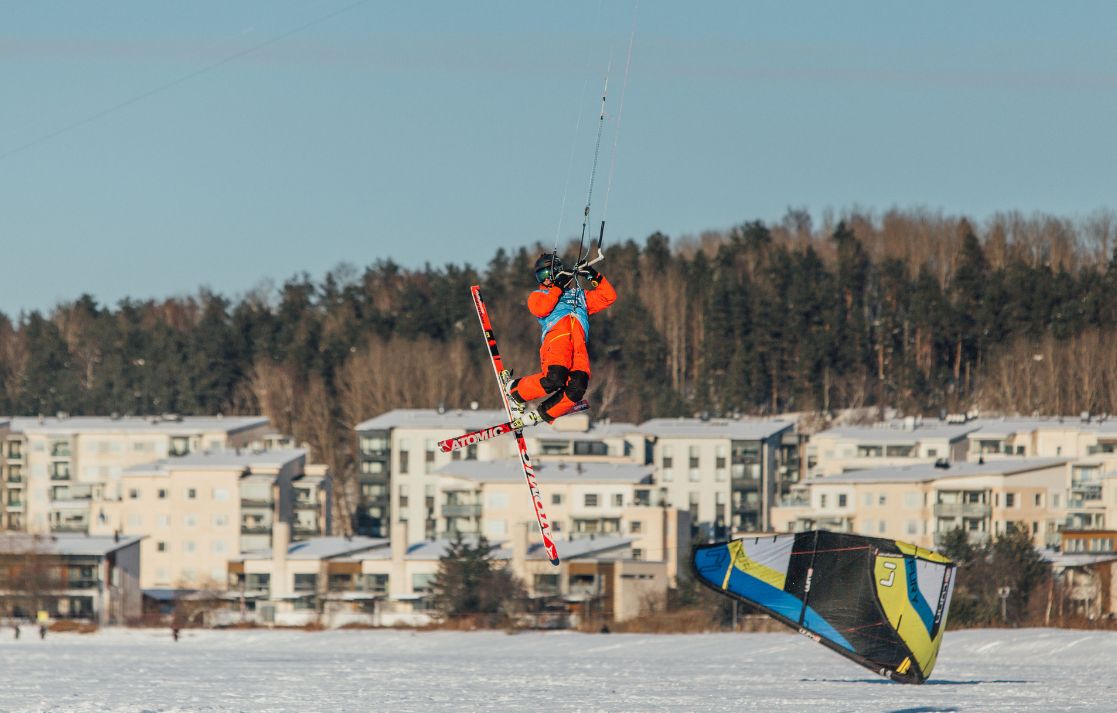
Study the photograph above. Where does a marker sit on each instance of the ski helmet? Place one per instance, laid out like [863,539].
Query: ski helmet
[547,266]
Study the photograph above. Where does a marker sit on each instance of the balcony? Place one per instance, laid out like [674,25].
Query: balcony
[266,503]
[255,529]
[70,526]
[974,537]
[972,511]
[304,529]
[14,506]
[461,510]
[1086,490]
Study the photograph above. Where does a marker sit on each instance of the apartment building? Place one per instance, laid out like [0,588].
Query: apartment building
[921,503]
[374,581]
[724,473]
[53,468]
[582,500]
[888,444]
[398,457]
[1053,437]
[198,510]
[70,576]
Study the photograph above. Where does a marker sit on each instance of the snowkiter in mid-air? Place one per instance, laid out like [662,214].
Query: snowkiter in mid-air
[563,309]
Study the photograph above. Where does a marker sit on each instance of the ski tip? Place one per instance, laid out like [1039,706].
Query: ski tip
[555,561]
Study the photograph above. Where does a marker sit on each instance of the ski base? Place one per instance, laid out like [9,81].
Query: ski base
[485,434]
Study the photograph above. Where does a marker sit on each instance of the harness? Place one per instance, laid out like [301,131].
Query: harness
[571,304]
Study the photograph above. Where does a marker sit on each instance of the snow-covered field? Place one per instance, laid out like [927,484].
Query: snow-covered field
[144,670]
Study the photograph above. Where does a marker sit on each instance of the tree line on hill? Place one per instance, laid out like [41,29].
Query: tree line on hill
[916,310]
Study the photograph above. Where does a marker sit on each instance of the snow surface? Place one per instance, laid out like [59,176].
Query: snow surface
[139,671]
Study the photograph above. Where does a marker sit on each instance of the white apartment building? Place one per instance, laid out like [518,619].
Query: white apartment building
[723,472]
[582,500]
[920,503]
[198,510]
[53,468]
[889,444]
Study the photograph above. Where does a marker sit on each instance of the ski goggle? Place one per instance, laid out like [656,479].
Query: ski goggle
[545,273]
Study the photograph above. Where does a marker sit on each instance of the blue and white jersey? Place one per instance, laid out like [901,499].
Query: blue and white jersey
[572,302]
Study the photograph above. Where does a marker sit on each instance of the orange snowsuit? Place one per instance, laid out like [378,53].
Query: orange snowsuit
[564,362]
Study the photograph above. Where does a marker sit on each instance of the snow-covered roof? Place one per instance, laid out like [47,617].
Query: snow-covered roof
[316,548]
[464,419]
[508,470]
[925,472]
[1004,427]
[897,432]
[735,429]
[1063,560]
[596,432]
[220,460]
[65,543]
[177,425]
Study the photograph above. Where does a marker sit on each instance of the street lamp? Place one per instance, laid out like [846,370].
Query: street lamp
[1003,592]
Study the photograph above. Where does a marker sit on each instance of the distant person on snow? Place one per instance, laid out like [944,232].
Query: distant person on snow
[563,309]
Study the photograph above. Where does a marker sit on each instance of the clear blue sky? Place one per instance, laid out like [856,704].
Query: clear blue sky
[148,149]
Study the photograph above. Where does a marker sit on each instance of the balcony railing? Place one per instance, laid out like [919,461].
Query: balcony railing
[461,510]
[974,537]
[70,527]
[256,502]
[255,529]
[973,511]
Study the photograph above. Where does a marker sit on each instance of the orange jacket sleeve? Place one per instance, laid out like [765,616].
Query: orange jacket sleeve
[601,297]
[542,302]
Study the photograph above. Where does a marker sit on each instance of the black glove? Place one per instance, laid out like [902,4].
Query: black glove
[562,280]
[590,274]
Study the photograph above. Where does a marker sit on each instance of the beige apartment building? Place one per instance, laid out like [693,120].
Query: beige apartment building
[374,581]
[724,472]
[53,468]
[888,444]
[921,503]
[582,500]
[198,510]
[399,459]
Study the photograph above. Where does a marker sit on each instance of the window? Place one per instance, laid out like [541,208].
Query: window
[191,493]
[618,500]
[881,526]
[590,448]
[913,527]
[693,457]
[134,520]
[220,494]
[722,457]
[637,553]
[218,547]
[220,520]
[306,582]
[162,493]
[496,528]
[188,547]
[694,475]
[190,520]
[1010,500]
[403,496]
[403,462]
[1055,500]
[635,527]
[668,475]
[180,446]
[822,500]
[133,493]
[882,500]
[160,546]
[911,500]
[1039,500]
[868,499]
[421,582]
[842,500]
[932,452]
[590,500]
[556,498]
[163,520]
[668,457]
[429,455]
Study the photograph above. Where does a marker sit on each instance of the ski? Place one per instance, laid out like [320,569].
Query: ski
[502,377]
[452,444]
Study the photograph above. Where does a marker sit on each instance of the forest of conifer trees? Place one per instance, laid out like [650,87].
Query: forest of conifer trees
[913,310]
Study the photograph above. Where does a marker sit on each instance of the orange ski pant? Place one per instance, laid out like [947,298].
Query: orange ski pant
[564,370]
